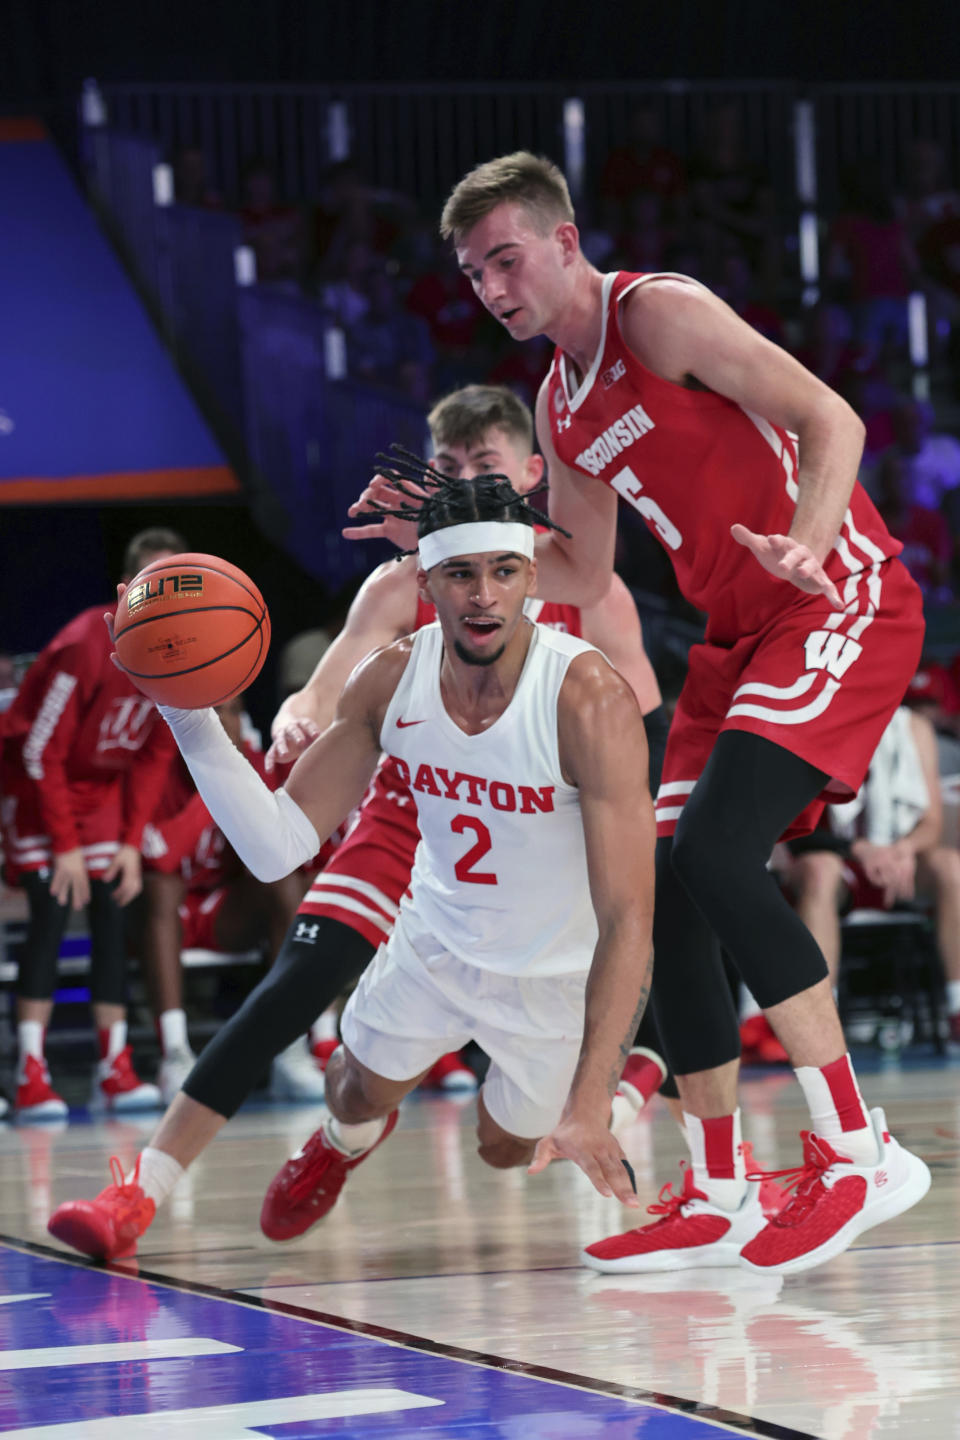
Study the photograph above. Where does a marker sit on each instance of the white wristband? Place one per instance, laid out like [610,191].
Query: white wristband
[268,830]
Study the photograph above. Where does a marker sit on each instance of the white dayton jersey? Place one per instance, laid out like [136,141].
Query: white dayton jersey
[500,874]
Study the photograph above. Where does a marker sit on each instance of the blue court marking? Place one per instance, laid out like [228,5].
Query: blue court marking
[196,1364]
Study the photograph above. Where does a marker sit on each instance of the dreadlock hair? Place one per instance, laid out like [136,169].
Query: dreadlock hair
[450,500]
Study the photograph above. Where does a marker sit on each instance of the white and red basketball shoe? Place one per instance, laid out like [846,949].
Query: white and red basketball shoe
[308,1186]
[642,1075]
[449,1073]
[118,1087]
[108,1227]
[36,1098]
[322,1050]
[834,1201]
[689,1233]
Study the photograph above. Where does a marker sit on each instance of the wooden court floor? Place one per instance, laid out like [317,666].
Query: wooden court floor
[428,1243]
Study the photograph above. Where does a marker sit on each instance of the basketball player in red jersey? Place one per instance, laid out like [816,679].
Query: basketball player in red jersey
[83,764]
[744,465]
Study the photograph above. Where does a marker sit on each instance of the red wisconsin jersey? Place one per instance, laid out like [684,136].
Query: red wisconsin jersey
[693,463]
[78,725]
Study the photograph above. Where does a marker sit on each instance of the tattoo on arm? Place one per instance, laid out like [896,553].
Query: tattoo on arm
[628,1039]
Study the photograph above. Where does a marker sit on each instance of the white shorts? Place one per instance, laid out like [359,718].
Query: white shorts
[412,1006]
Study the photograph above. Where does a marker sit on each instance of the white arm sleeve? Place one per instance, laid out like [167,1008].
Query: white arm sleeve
[268,830]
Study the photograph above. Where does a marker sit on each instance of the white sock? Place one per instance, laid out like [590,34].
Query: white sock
[837,1111]
[116,1039]
[30,1040]
[748,1006]
[159,1173]
[953,997]
[717,1146]
[354,1139]
[325,1026]
[172,1025]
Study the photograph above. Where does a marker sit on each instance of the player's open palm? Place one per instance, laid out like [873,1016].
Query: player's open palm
[589,1144]
[789,560]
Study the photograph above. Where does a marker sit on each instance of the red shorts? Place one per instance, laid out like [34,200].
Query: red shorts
[820,682]
[198,918]
[26,846]
[365,881]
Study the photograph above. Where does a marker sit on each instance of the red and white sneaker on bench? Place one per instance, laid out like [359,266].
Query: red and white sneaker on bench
[834,1201]
[642,1075]
[118,1087]
[36,1098]
[689,1234]
[108,1227]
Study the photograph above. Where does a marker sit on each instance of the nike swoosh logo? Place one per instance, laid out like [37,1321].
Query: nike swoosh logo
[402,724]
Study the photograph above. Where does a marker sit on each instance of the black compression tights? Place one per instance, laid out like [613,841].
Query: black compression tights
[37,972]
[713,890]
[319,958]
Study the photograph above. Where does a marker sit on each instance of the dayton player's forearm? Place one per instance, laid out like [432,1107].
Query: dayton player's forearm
[830,445]
[618,989]
[271,833]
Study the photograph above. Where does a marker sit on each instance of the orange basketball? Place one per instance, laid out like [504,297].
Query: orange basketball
[192,630]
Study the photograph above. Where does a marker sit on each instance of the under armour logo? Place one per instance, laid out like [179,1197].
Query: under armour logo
[881,1178]
[564,422]
[306,932]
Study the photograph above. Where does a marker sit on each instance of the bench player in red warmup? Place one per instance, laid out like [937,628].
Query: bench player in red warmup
[351,909]
[84,760]
[744,465]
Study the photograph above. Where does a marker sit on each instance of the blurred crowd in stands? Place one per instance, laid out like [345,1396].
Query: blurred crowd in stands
[375,261]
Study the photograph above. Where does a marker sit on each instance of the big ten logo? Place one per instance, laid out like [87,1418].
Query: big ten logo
[123,725]
[187,583]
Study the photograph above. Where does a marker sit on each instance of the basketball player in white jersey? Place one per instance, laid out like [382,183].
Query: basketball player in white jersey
[529,921]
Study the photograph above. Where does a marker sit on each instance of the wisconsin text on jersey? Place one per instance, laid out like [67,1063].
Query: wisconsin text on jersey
[631,425]
[501,795]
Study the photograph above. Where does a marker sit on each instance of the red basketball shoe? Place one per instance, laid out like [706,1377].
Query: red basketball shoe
[690,1233]
[108,1227]
[835,1201]
[307,1187]
[642,1075]
[772,1197]
[36,1097]
[759,1045]
[322,1050]
[118,1087]
[449,1073]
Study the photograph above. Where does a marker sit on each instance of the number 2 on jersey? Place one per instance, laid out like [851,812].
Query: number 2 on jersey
[463,869]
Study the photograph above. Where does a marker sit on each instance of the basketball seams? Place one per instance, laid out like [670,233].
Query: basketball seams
[193,610]
[205,664]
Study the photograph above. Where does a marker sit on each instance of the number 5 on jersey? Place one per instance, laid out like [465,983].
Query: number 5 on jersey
[463,869]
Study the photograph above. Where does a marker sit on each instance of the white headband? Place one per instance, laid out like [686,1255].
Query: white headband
[475,537]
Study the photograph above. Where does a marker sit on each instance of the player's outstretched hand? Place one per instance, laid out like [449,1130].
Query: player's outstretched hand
[382,494]
[591,1146]
[290,740]
[789,560]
